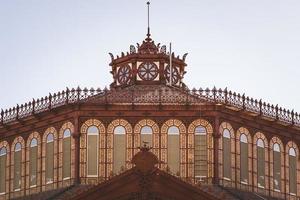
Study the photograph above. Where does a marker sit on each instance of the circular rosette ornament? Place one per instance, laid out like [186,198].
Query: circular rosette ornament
[124,74]
[175,74]
[148,71]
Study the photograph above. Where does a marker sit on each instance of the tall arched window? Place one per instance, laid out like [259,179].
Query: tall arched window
[92,151]
[200,152]
[119,149]
[17,166]
[49,158]
[226,154]
[244,158]
[173,150]
[277,167]
[67,154]
[260,163]
[33,152]
[293,171]
[3,153]
[146,135]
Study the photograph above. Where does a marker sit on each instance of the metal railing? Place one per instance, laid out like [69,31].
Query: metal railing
[162,96]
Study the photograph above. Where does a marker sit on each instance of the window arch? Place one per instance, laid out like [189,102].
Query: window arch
[33,159]
[92,151]
[173,136]
[49,164]
[260,162]
[277,159]
[119,149]
[292,171]
[121,131]
[174,150]
[94,145]
[244,158]
[292,168]
[226,154]
[66,153]
[200,150]
[227,158]
[3,163]
[201,167]
[148,131]
[17,166]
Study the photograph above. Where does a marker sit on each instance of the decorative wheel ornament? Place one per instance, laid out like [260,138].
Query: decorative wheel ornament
[175,74]
[148,71]
[124,74]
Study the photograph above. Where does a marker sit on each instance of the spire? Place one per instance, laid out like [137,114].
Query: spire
[148,33]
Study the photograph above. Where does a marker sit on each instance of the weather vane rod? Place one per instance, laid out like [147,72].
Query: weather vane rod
[148,4]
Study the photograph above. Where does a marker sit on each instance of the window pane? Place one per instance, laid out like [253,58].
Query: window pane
[2,172]
[92,151]
[146,130]
[67,133]
[50,138]
[277,170]
[49,162]
[173,150]
[67,157]
[93,130]
[146,136]
[200,156]
[119,152]
[173,130]
[17,169]
[33,165]
[244,162]
[227,157]
[2,151]
[260,166]
[200,130]
[119,130]
[18,147]
[293,174]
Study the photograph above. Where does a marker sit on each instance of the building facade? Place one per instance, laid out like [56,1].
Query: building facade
[201,136]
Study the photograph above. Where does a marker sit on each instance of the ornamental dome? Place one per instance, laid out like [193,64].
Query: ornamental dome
[147,64]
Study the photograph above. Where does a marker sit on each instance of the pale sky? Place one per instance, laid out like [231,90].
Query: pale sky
[249,46]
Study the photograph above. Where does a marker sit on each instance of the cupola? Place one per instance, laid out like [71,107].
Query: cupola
[147,63]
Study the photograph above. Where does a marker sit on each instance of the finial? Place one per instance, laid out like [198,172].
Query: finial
[148,33]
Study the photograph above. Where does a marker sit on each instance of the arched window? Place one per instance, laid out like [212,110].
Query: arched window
[200,152]
[67,154]
[293,171]
[226,154]
[17,166]
[277,167]
[49,158]
[119,149]
[244,158]
[146,135]
[33,152]
[3,153]
[92,151]
[173,150]
[260,163]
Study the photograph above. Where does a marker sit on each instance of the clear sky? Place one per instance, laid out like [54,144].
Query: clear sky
[249,46]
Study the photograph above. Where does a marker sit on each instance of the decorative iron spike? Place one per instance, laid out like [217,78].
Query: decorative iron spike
[111,56]
[184,56]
